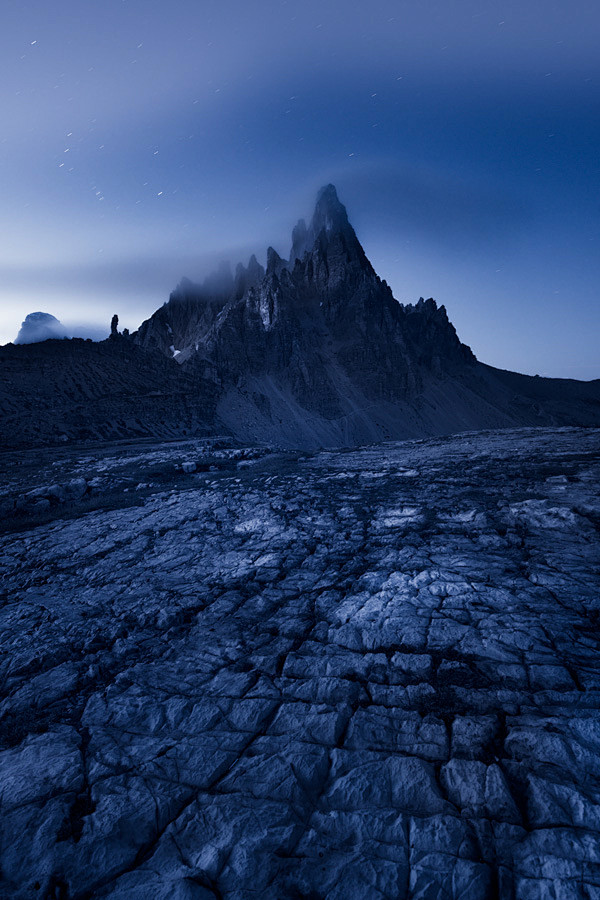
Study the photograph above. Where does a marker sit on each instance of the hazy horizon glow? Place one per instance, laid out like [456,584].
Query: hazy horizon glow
[141,143]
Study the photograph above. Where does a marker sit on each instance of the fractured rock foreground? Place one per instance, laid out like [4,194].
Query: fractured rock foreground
[361,674]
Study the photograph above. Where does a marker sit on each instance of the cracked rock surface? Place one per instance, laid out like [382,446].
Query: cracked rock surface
[361,674]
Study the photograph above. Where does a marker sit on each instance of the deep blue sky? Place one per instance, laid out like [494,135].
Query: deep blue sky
[141,141]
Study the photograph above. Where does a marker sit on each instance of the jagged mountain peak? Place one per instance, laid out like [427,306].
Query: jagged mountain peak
[322,330]
[300,240]
[313,352]
[329,223]
[254,266]
[331,239]
[247,277]
[275,264]
[330,215]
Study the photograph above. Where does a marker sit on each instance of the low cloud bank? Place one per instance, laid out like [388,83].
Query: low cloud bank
[42,326]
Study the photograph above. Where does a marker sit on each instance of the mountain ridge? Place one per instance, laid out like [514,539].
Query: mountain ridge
[310,351]
[327,285]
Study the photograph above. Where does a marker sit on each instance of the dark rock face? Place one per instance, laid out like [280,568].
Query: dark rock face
[181,323]
[322,317]
[316,351]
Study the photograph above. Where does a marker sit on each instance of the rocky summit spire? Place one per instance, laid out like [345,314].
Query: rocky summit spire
[329,228]
[317,326]
[300,241]
[330,215]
